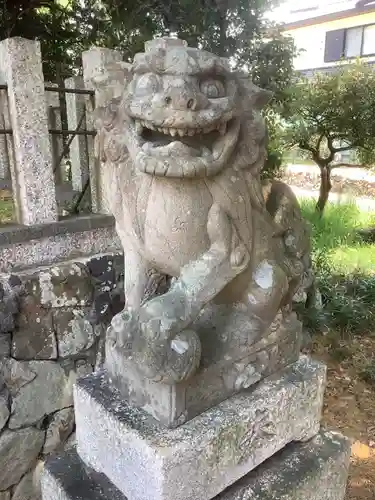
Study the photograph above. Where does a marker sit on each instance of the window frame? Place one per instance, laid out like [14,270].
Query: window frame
[363,41]
[363,27]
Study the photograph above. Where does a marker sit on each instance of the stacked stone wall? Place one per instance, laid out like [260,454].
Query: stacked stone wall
[52,326]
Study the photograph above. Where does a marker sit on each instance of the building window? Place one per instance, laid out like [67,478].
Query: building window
[352,42]
[368,46]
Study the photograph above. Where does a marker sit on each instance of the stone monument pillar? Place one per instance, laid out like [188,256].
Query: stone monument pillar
[203,392]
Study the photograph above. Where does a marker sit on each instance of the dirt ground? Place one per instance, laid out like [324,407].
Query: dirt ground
[350,408]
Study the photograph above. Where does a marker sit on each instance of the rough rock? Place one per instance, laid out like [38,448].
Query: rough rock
[66,285]
[74,331]
[147,461]
[18,453]
[4,409]
[17,374]
[71,442]
[5,341]
[29,486]
[48,392]
[10,293]
[34,338]
[59,429]
[4,495]
[29,344]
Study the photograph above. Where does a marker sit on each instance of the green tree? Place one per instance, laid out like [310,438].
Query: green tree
[51,22]
[332,113]
[233,28]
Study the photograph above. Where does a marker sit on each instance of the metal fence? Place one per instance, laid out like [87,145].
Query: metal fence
[64,106]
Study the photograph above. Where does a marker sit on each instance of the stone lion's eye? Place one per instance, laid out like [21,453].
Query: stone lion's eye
[146,84]
[212,88]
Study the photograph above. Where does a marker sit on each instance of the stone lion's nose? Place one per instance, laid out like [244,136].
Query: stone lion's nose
[181,101]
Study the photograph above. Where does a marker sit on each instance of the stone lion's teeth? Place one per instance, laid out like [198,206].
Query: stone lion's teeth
[181,132]
[173,131]
[165,130]
[223,128]
[159,129]
[191,131]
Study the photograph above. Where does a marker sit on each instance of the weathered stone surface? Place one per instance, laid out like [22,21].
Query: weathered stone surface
[79,369]
[57,242]
[18,453]
[29,486]
[227,366]
[4,408]
[66,285]
[5,341]
[32,177]
[35,343]
[10,293]
[103,271]
[4,495]
[48,392]
[147,461]
[316,470]
[109,298]
[74,331]
[59,429]
[65,478]
[34,337]
[17,374]
[82,368]
[70,442]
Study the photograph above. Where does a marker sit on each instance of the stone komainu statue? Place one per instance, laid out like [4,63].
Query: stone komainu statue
[182,143]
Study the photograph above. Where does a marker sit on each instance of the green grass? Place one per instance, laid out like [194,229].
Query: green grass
[335,237]
[6,211]
[345,270]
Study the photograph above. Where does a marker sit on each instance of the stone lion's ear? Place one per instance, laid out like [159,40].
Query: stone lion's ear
[111,83]
[115,75]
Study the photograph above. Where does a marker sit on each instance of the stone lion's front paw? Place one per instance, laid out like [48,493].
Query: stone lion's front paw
[161,318]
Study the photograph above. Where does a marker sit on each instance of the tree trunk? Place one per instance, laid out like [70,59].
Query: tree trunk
[325,188]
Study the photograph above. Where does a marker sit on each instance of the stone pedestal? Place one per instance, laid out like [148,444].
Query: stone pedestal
[316,470]
[201,458]
[260,444]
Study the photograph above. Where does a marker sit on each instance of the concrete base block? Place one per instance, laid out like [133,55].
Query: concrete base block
[147,461]
[316,470]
